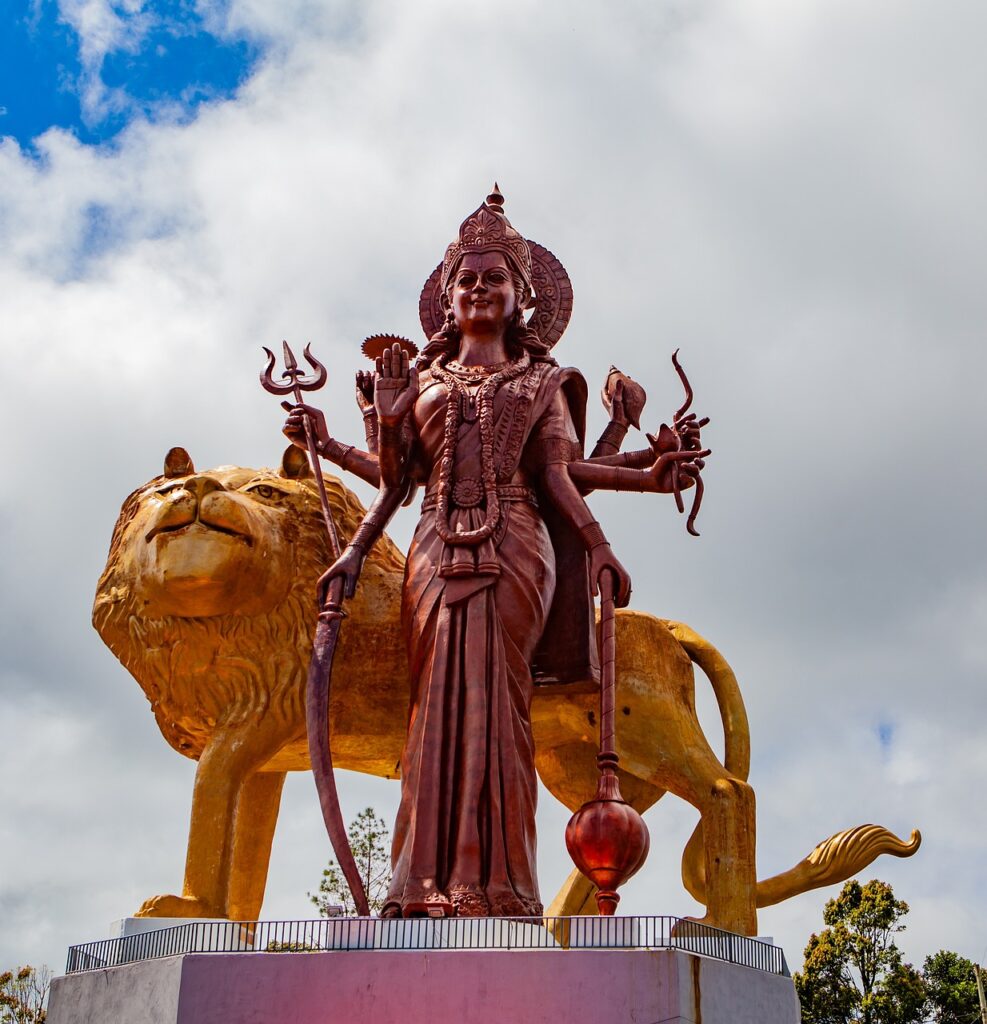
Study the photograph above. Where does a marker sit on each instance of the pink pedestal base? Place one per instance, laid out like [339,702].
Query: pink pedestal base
[434,987]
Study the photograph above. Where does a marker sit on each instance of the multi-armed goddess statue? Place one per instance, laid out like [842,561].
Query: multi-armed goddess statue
[498,590]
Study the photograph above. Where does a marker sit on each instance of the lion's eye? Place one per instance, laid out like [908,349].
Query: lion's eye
[168,488]
[266,492]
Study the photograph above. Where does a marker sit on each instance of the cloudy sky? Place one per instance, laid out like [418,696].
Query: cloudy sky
[793,194]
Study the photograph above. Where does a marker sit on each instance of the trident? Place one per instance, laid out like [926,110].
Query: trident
[297,383]
[331,616]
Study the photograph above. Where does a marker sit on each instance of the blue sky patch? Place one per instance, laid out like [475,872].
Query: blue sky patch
[885,734]
[169,65]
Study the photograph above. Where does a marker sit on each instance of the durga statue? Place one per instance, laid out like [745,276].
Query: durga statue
[506,558]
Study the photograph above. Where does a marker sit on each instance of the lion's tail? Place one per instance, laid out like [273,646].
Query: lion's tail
[736,736]
[835,860]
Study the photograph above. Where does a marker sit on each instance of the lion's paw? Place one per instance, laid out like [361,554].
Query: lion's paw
[175,906]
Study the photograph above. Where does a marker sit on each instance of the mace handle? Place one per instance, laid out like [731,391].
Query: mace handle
[607,758]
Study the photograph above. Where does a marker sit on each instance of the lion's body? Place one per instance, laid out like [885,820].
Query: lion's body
[207,599]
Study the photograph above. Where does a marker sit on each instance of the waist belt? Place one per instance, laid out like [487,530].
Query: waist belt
[473,496]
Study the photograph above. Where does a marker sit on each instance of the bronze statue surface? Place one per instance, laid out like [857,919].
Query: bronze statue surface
[487,629]
[499,581]
[226,685]
[489,425]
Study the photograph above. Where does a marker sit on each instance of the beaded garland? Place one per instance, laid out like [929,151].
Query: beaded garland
[459,397]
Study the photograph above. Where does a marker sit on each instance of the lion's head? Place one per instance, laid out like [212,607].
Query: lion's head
[208,594]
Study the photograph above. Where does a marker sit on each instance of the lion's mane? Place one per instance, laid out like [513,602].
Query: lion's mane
[202,672]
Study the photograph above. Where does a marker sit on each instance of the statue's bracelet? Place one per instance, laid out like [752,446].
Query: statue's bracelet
[592,535]
[334,451]
[359,544]
[613,435]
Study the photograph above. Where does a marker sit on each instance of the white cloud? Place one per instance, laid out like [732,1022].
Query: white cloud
[791,193]
[103,28]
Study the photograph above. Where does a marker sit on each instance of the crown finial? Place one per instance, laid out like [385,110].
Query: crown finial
[496,200]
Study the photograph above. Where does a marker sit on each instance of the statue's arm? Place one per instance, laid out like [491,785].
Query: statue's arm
[354,460]
[647,469]
[552,447]
[559,487]
[393,455]
[636,460]
[359,463]
[656,478]
[350,563]
[608,446]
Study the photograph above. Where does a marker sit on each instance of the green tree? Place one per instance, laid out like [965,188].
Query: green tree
[369,840]
[854,971]
[951,988]
[24,995]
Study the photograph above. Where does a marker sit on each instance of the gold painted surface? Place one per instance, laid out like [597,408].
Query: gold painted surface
[207,599]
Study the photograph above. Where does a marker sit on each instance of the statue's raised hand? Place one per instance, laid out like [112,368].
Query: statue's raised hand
[365,391]
[623,398]
[396,386]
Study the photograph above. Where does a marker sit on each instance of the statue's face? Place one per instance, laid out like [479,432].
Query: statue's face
[482,292]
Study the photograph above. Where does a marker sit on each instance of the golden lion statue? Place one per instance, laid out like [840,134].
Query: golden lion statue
[207,598]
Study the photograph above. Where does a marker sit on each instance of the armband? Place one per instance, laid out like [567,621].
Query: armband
[370,429]
[592,535]
[335,452]
[612,437]
[554,449]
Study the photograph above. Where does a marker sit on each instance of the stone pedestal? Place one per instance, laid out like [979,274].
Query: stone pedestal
[525,986]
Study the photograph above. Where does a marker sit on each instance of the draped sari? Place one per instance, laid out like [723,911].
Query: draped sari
[473,618]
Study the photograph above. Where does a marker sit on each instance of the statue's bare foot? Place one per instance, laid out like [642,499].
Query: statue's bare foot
[175,906]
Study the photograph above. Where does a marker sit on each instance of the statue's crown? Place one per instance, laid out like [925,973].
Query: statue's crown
[486,230]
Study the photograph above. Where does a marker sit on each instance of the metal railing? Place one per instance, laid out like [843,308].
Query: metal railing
[449,933]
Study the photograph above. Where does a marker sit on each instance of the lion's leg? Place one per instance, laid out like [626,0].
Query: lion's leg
[253,835]
[575,897]
[728,833]
[230,756]
[729,830]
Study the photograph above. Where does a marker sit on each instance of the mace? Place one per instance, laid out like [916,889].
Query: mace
[606,838]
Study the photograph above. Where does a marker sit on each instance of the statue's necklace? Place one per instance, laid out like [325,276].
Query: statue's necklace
[461,400]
